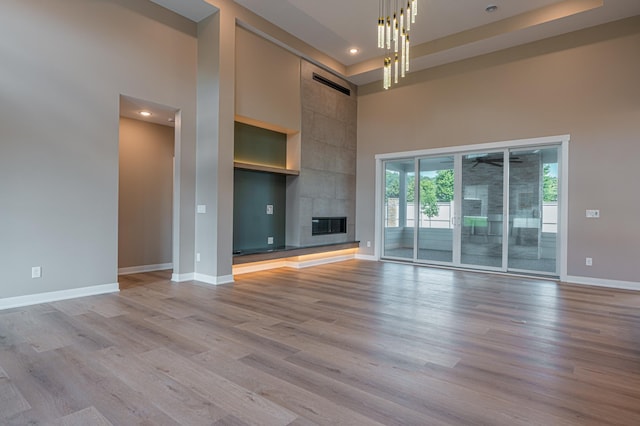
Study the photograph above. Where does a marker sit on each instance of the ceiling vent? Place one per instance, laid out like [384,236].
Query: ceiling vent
[333,85]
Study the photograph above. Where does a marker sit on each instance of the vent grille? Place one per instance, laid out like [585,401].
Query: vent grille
[333,85]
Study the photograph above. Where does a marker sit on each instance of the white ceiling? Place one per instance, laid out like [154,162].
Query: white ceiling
[335,26]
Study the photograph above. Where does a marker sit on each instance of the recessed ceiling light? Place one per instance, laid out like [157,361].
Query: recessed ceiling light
[491,8]
[354,50]
[145,113]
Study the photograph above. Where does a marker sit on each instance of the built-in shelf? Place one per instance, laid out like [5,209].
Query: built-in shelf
[262,168]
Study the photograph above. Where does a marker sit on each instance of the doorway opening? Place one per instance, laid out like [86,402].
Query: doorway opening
[147,189]
[496,207]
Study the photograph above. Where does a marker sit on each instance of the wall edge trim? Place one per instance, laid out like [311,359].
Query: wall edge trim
[144,268]
[213,280]
[601,282]
[368,257]
[180,278]
[55,296]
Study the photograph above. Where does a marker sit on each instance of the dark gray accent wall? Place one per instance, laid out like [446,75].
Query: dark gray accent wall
[253,191]
[326,185]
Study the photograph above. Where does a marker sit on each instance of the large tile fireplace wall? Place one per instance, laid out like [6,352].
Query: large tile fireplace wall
[326,185]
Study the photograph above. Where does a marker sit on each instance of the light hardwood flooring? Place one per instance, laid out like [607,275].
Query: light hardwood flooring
[352,343]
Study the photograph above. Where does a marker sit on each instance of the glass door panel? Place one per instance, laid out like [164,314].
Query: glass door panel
[399,214]
[533,210]
[481,218]
[435,209]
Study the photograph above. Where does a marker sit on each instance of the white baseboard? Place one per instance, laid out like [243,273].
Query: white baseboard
[600,282]
[144,268]
[209,279]
[54,296]
[367,257]
[180,278]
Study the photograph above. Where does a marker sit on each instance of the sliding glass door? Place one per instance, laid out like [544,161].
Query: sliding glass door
[435,209]
[482,209]
[533,210]
[494,210]
[399,214]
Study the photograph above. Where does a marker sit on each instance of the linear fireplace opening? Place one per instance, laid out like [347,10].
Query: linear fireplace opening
[328,225]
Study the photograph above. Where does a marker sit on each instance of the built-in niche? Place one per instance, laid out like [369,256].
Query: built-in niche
[257,146]
[260,187]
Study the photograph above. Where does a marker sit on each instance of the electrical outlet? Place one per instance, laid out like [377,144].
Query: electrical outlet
[368,243]
[197,257]
[588,261]
[593,214]
[202,208]
[269,208]
[269,240]
[36,272]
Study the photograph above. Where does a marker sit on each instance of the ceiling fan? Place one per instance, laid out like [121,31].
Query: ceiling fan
[494,161]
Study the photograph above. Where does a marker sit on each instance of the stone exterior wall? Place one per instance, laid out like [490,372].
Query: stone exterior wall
[327,181]
[525,199]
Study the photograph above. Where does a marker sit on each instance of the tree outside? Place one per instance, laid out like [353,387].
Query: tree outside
[428,199]
[432,189]
[549,185]
[392,185]
[444,185]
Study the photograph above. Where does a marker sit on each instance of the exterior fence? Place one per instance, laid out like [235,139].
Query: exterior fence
[444,219]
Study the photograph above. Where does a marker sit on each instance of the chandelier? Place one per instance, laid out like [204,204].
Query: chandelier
[394,24]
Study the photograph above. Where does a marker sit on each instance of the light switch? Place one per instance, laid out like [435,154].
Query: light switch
[269,208]
[36,272]
[202,208]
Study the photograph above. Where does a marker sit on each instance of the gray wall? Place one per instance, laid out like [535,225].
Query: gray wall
[584,84]
[267,86]
[326,185]
[64,66]
[214,165]
[145,193]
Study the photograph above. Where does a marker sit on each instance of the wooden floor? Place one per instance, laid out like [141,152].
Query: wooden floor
[350,343]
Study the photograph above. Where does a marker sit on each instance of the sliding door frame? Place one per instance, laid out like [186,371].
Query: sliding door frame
[562,141]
